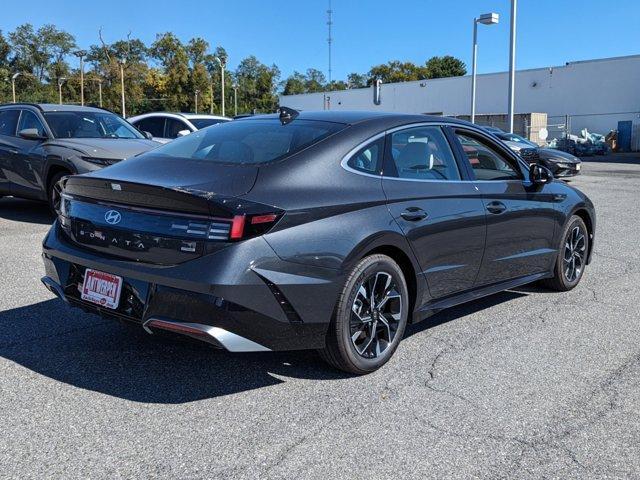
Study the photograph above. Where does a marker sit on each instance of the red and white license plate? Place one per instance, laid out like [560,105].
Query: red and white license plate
[101,288]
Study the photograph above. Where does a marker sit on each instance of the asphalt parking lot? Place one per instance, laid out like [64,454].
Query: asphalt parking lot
[525,384]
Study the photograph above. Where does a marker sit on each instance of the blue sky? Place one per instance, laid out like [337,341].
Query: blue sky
[292,34]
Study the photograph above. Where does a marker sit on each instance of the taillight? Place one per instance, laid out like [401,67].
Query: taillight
[247,226]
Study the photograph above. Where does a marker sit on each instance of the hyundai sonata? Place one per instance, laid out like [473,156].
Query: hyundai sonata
[326,230]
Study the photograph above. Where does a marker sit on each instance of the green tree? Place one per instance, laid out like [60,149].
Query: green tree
[315,81]
[257,85]
[356,80]
[447,66]
[199,80]
[169,51]
[295,84]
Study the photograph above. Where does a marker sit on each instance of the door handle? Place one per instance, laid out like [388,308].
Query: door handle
[414,214]
[496,207]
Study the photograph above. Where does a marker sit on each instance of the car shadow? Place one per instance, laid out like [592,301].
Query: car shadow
[620,158]
[123,361]
[29,211]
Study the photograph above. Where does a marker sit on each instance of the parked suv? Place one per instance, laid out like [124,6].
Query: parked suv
[165,127]
[41,143]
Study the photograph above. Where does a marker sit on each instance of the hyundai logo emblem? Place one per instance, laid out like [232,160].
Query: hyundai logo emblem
[112,217]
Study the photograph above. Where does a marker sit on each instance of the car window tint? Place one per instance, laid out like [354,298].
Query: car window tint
[29,119]
[249,141]
[8,121]
[423,153]
[89,124]
[487,164]
[367,159]
[205,122]
[153,125]
[174,126]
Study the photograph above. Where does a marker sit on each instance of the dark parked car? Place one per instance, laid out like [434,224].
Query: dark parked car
[41,143]
[326,230]
[561,164]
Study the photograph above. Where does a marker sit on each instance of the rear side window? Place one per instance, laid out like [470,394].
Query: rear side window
[173,127]
[423,153]
[367,159]
[153,125]
[249,141]
[8,121]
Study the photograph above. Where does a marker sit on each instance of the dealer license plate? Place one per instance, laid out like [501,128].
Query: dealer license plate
[101,288]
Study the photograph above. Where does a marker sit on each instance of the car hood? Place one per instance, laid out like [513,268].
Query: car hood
[553,154]
[108,148]
[517,146]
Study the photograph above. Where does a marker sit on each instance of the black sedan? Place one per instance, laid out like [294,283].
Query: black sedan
[41,143]
[325,230]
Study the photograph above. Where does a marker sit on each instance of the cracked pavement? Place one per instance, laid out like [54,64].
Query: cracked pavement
[526,383]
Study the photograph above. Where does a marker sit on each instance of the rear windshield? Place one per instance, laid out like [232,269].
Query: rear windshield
[249,141]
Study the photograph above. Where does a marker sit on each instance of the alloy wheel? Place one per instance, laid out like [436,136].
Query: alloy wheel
[575,249]
[375,315]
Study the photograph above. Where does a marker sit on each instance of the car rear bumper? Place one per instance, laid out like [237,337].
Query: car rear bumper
[242,298]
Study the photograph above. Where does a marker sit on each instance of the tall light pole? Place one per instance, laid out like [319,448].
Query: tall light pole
[222,62]
[100,91]
[81,54]
[196,92]
[512,63]
[485,19]
[13,85]
[235,99]
[122,61]
[60,82]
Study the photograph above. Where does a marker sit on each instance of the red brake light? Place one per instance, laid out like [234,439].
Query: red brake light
[237,227]
[263,219]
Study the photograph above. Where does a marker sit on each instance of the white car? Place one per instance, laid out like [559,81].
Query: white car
[164,126]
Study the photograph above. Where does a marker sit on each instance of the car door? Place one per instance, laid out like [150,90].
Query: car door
[27,162]
[520,215]
[154,125]
[437,207]
[8,149]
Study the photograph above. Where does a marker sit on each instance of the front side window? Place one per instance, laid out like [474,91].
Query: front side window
[153,125]
[89,125]
[29,119]
[174,127]
[423,153]
[487,164]
[8,121]
[249,141]
[367,159]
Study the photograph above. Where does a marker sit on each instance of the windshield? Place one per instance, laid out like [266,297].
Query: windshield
[249,141]
[89,125]
[512,137]
[205,122]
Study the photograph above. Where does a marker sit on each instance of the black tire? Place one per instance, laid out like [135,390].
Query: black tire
[348,347]
[53,196]
[576,249]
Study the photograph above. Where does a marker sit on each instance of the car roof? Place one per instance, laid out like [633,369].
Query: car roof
[54,107]
[354,117]
[185,115]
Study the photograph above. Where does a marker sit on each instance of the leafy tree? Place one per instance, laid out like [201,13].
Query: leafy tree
[356,80]
[199,77]
[315,81]
[169,51]
[295,84]
[257,84]
[447,66]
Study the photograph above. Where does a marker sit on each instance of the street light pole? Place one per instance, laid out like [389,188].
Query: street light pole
[100,92]
[122,62]
[222,63]
[512,63]
[81,54]
[196,98]
[60,82]
[485,19]
[13,85]
[235,99]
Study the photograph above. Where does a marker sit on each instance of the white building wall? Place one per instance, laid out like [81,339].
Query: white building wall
[596,93]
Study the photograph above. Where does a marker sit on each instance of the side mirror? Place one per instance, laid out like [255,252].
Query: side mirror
[183,133]
[540,175]
[31,134]
[147,135]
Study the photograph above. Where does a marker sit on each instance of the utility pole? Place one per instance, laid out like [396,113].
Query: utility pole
[512,63]
[81,54]
[196,99]
[235,99]
[222,63]
[329,39]
[100,92]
